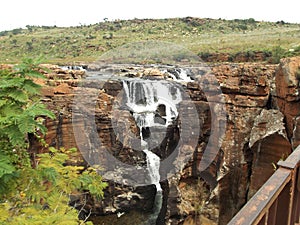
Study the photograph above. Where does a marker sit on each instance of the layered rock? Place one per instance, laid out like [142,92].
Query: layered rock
[261,122]
[287,91]
[268,143]
[246,89]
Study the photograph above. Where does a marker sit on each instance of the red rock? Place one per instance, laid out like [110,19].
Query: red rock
[268,144]
[237,168]
[62,89]
[287,90]
[47,91]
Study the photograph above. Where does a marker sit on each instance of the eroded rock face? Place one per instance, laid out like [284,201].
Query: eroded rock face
[246,88]
[257,134]
[95,106]
[287,91]
[268,143]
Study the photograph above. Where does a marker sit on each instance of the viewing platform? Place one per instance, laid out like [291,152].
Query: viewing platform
[277,202]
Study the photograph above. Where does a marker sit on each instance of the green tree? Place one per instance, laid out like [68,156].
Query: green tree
[20,108]
[37,195]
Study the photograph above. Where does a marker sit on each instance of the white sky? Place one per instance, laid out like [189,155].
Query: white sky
[19,13]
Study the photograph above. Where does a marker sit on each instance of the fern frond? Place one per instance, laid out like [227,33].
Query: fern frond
[12,82]
[19,96]
[50,174]
[31,87]
[39,109]
[16,137]
[5,165]
[26,124]
[2,102]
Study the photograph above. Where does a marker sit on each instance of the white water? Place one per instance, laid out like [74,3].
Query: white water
[182,75]
[72,68]
[143,98]
[153,163]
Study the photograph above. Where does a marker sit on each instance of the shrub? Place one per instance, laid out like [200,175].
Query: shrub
[277,53]
[38,195]
[20,105]
[16,31]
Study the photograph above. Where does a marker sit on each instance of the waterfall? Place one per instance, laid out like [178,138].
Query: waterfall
[153,162]
[184,76]
[179,74]
[144,98]
[147,100]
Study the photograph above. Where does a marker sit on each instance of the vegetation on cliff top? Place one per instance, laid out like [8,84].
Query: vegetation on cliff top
[86,43]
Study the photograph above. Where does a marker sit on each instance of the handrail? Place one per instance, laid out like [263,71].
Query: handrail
[277,202]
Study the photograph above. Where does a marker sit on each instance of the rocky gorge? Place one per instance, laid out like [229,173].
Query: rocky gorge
[258,126]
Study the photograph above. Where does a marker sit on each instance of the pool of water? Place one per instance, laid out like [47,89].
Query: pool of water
[128,218]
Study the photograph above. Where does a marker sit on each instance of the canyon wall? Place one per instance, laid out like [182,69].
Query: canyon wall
[262,124]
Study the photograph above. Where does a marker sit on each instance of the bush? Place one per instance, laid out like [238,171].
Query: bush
[3,33]
[40,194]
[16,31]
[277,53]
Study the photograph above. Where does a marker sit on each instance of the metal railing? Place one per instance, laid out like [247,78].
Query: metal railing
[277,202]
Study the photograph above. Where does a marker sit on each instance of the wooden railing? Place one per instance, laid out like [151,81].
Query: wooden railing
[277,202]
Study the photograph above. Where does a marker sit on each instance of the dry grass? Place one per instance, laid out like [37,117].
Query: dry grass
[87,43]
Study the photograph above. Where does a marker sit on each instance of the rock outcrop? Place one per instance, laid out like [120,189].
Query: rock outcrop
[268,143]
[262,126]
[287,91]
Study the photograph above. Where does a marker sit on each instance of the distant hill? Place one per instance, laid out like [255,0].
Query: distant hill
[213,40]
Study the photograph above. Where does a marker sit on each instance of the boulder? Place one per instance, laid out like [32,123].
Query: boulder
[153,73]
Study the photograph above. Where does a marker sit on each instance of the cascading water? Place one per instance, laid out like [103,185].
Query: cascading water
[179,74]
[153,162]
[144,97]
[184,76]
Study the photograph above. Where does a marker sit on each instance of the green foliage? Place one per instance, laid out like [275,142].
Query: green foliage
[19,104]
[88,43]
[6,166]
[4,33]
[37,195]
[41,195]
[17,31]
[278,53]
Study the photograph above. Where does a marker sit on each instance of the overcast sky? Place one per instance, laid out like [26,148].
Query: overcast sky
[19,13]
